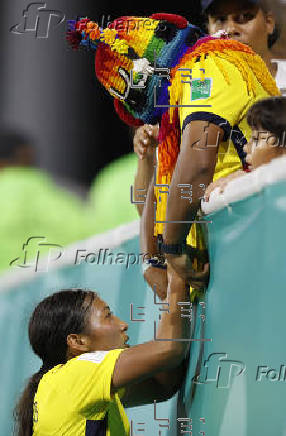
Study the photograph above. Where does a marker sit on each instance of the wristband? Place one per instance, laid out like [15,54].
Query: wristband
[157,262]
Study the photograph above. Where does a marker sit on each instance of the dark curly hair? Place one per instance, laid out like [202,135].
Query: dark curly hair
[269,114]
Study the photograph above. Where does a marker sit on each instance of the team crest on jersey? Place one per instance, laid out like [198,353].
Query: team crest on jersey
[201,89]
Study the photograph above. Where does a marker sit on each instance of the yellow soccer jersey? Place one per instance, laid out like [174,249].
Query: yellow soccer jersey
[228,107]
[229,103]
[226,104]
[74,399]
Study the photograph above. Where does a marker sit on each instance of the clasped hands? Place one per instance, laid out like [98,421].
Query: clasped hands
[184,266]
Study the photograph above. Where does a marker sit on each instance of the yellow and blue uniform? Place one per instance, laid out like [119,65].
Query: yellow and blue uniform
[229,103]
[228,98]
[74,399]
[228,78]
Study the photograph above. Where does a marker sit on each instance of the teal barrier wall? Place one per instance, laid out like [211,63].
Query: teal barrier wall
[117,285]
[237,381]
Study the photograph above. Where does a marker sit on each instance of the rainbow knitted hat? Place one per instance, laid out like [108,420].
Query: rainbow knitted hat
[137,58]
[134,56]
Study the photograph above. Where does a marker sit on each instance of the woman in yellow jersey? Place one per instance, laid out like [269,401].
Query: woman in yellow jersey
[89,372]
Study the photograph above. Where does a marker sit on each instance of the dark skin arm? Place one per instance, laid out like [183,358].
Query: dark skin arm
[161,387]
[148,242]
[198,164]
[145,143]
[159,361]
[155,277]
[195,166]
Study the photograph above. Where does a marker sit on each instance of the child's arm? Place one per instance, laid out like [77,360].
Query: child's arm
[221,183]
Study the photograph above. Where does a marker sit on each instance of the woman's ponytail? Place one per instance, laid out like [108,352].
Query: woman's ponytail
[52,321]
[24,409]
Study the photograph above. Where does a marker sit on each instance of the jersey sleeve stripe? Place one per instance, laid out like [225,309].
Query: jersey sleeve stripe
[212,118]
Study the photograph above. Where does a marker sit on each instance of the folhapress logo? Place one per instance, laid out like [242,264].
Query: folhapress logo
[38,254]
[38,20]
[266,373]
[220,370]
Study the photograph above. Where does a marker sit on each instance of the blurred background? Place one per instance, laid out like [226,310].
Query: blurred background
[58,128]
[66,160]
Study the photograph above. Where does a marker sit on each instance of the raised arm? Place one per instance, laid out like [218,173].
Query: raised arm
[195,166]
[145,143]
[155,276]
[152,360]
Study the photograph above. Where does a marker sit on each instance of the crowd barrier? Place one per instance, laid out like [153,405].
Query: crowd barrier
[119,285]
[237,381]
[237,369]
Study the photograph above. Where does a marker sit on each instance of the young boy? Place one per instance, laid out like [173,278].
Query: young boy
[267,118]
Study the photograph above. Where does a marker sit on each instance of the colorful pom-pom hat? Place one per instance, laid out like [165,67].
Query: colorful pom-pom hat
[133,58]
[139,61]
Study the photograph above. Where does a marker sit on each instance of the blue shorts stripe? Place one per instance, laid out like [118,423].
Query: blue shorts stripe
[96,428]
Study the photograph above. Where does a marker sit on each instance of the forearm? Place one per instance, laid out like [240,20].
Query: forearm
[148,242]
[195,167]
[174,328]
[166,351]
[184,210]
[143,177]
[155,370]
[171,380]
